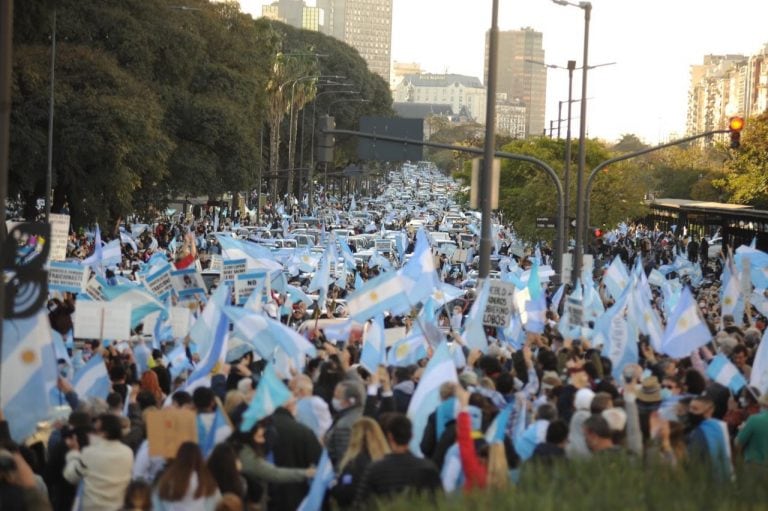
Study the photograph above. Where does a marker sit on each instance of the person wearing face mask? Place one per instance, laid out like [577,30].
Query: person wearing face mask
[348,402]
[708,440]
[742,408]
[752,440]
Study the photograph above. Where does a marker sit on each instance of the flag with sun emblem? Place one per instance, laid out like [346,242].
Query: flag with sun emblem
[686,331]
[23,396]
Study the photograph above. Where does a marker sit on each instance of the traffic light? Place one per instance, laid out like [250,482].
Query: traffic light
[598,233]
[325,141]
[735,124]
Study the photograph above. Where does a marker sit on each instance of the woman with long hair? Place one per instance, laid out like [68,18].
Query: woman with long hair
[225,468]
[253,447]
[150,383]
[366,444]
[187,484]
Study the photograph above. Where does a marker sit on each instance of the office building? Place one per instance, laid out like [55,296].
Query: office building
[519,77]
[295,13]
[366,25]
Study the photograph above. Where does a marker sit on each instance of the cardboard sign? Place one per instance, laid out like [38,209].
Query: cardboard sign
[159,282]
[217,263]
[93,289]
[232,269]
[180,319]
[500,305]
[575,310]
[117,321]
[168,428]
[102,320]
[187,283]
[68,277]
[245,283]
[59,236]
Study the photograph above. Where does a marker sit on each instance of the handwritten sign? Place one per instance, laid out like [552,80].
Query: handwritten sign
[168,428]
[68,277]
[232,268]
[159,282]
[245,283]
[59,236]
[500,305]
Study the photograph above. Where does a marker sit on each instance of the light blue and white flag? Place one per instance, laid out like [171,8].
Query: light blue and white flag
[725,373]
[23,384]
[265,334]
[759,377]
[419,272]
[498,428]
[320,483]
[92,380]
[138,298]
[204,329]
[536,306]
[408,351]
[685,331]
[557,298]
[382,293]
[374,345]
[474,330]
[216,350]
[112,254]
[426,398]
[95,259]
[616,278]
[256,256]
[271,393]
[178,360]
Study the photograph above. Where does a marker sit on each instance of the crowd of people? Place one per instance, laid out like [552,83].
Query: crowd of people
[546,396]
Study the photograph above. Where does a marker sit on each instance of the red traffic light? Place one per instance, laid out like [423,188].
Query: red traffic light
[735,125]
[598,233]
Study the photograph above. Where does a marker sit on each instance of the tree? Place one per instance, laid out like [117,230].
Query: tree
[746,179]
[629,143]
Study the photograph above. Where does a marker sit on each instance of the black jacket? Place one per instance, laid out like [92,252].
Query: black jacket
[395,474]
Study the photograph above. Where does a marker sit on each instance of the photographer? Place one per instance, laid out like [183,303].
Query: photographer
[18,484]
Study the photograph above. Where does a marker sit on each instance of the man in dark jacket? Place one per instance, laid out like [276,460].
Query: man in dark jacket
[400,470]
[295,446]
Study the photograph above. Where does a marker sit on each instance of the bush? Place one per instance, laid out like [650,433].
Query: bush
[617,485]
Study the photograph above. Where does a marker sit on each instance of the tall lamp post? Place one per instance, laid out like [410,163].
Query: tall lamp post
[579,234]
[49,168]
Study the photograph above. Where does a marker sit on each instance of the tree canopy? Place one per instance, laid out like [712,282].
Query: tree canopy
[154,101]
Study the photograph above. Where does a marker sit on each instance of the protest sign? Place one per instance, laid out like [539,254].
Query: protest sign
[575,310]
[68,277]
[500,305]
[168,428]
[245,283]
[233,268]
[93,289]
[217,263]
[180,319]
[88,319]
[59,236]
[159,282]
[117,321]
[187,283]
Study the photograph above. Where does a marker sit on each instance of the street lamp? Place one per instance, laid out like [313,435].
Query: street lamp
[579,248]
[49,167]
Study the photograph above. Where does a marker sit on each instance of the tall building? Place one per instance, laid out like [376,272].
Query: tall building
[724,86]
[366,25]
[519,78]
[295,13]
[510,116]
[465,94]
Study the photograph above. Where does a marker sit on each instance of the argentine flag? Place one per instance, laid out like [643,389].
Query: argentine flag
[616,278]
[204,328]
[92,380]
[216,351]
[498,428]
[383,293]
[408,351]
[320,483]
[725,373]
[265,334]
[759,377]
[256,256]
[23,395]
[141,301]
[685,330]
[271,393]
[374,345]
[426,398]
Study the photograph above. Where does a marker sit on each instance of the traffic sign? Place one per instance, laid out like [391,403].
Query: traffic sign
[546,222]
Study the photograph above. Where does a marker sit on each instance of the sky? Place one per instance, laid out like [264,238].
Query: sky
[653,42]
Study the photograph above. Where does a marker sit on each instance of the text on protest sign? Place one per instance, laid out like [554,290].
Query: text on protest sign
[575,311]
[68,277]
[59,236]
[233,268]
[245,283]
[500,305]
[159,283]
[188,283]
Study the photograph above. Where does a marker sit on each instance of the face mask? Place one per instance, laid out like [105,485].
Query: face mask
[743,402]
[337,404]
[665,394]
[694,419]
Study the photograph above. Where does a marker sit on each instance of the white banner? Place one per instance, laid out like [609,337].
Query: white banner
[68,277]
[59,236]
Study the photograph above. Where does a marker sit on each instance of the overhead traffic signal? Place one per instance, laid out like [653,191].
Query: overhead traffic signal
[735,125]
[325,141]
